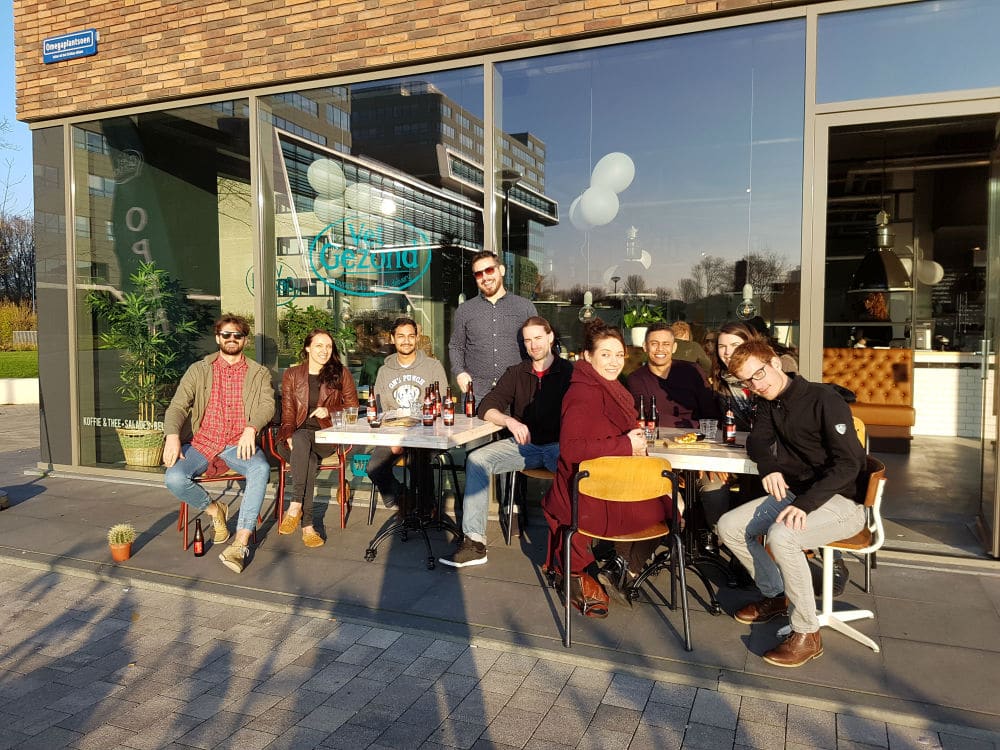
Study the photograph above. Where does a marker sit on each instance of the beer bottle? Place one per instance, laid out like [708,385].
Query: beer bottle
[448,409]
[641,421]
[427,415]
[436,399]
[199,539]
[730,426]
[470,402]
[652,421]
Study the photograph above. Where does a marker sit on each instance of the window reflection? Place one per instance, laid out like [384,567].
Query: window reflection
[711,125]
[899,50]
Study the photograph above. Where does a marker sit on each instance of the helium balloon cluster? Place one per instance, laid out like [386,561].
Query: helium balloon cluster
[598,204]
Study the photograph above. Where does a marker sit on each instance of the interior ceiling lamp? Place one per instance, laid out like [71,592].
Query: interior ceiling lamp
[881,269]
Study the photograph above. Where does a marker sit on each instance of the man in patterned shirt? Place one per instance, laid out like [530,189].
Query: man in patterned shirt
[486,330]
[221,404]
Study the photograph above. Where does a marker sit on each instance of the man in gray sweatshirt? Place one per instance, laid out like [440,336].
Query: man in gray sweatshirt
[400,384]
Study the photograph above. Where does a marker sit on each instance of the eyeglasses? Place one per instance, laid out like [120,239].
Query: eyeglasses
[757,376]
[489,271]
[238,335]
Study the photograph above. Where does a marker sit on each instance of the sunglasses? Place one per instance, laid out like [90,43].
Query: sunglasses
[489,271]
[238,335]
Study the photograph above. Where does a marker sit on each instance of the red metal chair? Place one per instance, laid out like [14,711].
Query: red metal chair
[334,462]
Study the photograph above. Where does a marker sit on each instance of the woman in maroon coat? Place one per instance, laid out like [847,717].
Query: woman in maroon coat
[598,419]
[310,392]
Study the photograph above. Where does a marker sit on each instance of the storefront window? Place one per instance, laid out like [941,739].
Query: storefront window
[169,188]
[902,49]
[375,193]
[665,172]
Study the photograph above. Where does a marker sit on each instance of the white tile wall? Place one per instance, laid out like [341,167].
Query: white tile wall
[948,401]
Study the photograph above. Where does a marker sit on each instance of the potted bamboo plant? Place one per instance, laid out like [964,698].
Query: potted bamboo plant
[154,329]
[120,538]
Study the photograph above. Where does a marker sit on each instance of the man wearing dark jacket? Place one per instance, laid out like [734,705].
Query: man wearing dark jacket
[527,400]
[809,459]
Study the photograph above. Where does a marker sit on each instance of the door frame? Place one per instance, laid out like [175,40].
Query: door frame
[814,272]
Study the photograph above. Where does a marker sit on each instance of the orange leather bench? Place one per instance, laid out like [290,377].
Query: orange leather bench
[882,380]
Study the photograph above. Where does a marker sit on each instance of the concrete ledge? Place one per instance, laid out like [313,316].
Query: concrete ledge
[18,390]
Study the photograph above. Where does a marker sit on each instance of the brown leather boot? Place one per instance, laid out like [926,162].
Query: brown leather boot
[797,649]
[588,596]
[762,611]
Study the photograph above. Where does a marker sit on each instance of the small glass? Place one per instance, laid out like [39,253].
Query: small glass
[338,418]
[709,428]
[351,414]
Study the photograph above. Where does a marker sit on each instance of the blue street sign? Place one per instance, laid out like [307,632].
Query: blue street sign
[67,46]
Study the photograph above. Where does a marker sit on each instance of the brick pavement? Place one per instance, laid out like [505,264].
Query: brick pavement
[90,663]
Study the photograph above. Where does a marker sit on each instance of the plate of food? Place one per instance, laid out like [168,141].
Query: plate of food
[688,438]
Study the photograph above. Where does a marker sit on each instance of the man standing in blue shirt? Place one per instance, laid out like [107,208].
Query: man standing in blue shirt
[486,332]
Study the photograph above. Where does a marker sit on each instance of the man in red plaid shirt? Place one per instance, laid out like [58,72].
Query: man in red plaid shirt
[221,404]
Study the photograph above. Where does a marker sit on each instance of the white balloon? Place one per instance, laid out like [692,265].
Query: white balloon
[326,178]
[329,210]
[615,171]
[576,217]
[646,259]
[362,198]
[598,206]
[929,272]
[608,273]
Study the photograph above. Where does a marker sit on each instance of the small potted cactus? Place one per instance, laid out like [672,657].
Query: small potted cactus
[120,538]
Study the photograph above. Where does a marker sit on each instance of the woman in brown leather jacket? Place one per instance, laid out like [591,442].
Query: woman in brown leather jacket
[310,392]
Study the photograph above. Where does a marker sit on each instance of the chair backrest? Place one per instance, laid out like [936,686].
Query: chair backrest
[870,481]
[862,431]
[626,479]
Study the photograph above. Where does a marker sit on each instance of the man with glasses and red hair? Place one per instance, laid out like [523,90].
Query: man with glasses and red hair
[221,404]
[809,459]
[486,330]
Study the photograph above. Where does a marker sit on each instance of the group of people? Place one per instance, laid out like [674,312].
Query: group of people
[556,414]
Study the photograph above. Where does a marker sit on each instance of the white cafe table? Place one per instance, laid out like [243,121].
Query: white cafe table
[691,458]
[421,444]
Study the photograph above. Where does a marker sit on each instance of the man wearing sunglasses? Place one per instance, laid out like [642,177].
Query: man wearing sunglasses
[486,330]
[221,403]
[809,459]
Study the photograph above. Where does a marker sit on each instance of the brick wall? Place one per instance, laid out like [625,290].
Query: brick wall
[157,50]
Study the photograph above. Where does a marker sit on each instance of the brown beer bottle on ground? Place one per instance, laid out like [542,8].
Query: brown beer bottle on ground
[199,539]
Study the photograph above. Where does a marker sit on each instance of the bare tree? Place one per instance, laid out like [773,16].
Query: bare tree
[714,275]
[689,290]
[764,270]
[663,294]
[17,258]
[634,284]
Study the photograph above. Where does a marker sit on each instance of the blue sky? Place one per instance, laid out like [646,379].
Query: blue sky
[19,179]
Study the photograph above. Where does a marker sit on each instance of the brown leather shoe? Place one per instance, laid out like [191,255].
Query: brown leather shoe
[588,596]
[797,649]
[762,611]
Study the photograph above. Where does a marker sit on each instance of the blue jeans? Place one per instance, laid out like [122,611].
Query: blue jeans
[740,529]
[179,480]
[498,457]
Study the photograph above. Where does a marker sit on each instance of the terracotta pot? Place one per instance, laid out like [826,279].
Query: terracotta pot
[121,552]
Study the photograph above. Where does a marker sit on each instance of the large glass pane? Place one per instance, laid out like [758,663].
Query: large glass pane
[170,188]
[50,264]
[676,165]
[375,193]
[917,48]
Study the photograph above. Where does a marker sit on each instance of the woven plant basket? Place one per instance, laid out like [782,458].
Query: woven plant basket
[141,447]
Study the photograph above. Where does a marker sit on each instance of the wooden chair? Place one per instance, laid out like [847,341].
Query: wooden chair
[869,559]
[334,462]
[629,479]
[229,477]
[515,489]
[871,484]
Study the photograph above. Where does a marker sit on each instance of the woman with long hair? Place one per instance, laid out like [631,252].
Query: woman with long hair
[310,392]
[598,419]
[728,388]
